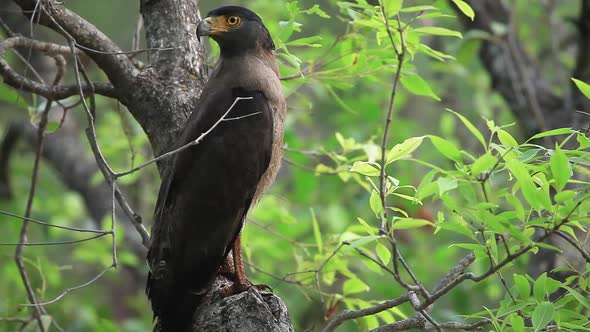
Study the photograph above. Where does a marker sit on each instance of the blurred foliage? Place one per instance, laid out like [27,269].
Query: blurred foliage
[456,180]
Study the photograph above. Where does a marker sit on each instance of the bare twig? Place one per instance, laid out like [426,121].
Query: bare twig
[43,223]
[415,323]
[415,301]
[100,160]
[15,319]
[68,290]
[38,310]
[54,92]
[57,243]
[318,270]
[118,68]
[309,169]
[132,52]
[574,244]
[319,63]
[184,147]
[270,230]
[347,315]
[401,53]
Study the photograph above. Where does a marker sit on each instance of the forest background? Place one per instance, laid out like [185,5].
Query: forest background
[436,152]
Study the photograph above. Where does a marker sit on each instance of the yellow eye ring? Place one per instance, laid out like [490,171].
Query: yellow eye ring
[232,21]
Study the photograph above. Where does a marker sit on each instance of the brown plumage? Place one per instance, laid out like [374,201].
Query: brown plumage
[205,197]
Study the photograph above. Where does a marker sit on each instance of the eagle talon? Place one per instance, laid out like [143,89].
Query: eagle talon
[236,288]
[264,287]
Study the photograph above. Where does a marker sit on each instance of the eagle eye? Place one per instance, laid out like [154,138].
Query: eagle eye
[232,21]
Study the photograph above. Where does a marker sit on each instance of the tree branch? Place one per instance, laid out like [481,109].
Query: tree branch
[582,69]
[38,310]
[514,75]
[54,92]
[110,59]
[450,280]
[181,73]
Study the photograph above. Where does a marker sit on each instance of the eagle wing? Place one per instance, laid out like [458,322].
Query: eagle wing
[205,197]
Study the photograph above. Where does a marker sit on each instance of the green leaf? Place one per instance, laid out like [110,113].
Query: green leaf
[416,85]
[527,186]
[584,87]
[583,140]
[352,286]
[414,9]
[575,327]
[553,132]
[465,8]
[307,41]
[375,203]
[438,55]
[523,285]
[367,227]
[438,31]
[10,96]
[565,196]
[366,168]
[468,246]
[583,300]
[456,226]
[543,315]
[383,253]
[391,7]
[517,323]
[322,168]
[506,139]
[540,289]
[471,128]
[403,149]
[483,163]
[408,223]
[361,241]
[447,148]
[345,143]
[560,168]
[316,231]
[316,10]
[446,184]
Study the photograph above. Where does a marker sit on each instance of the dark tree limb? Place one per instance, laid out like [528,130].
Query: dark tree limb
[514,75]
[108,57]
[7,145]
[582,68]
[529,96]
[55,92]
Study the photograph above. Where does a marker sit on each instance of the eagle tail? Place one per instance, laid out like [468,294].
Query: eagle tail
[173,308]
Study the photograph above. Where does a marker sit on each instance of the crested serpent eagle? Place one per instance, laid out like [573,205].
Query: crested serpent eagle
[206,194]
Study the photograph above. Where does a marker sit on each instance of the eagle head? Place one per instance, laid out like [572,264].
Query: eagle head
[236,29]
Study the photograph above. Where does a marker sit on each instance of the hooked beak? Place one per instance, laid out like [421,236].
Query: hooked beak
[211,26]
[204,28]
